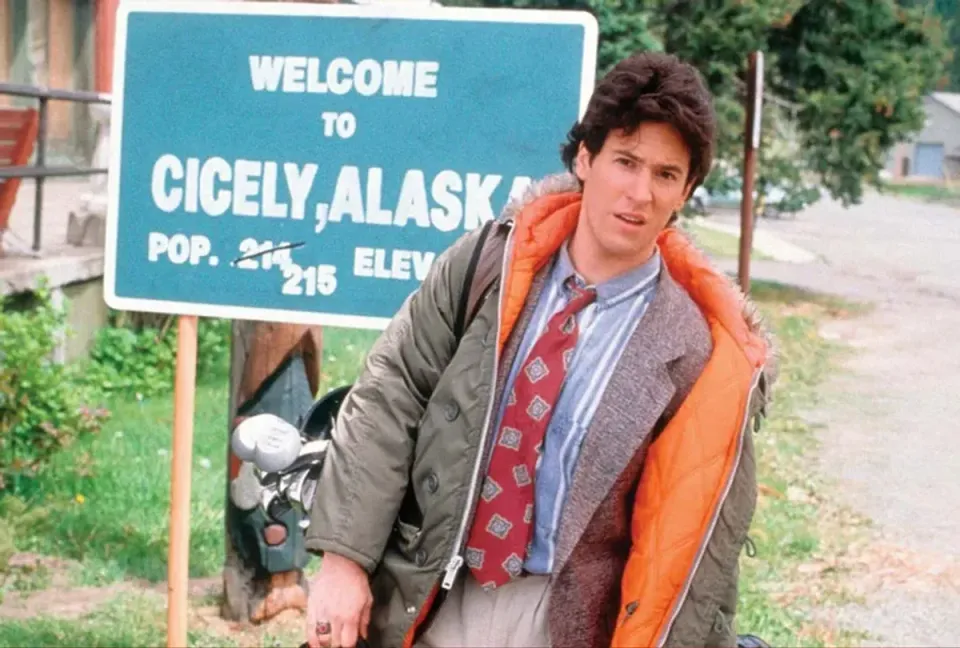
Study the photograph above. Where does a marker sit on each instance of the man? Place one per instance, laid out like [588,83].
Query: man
[577,469]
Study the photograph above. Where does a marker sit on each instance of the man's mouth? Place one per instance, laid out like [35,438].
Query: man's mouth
[633,219]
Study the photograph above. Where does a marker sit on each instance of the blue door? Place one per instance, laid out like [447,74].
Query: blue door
[928,160]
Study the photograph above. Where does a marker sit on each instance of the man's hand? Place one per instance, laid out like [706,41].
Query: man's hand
[339,601]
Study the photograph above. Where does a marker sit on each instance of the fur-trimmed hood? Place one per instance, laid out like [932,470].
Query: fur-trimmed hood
[567,183]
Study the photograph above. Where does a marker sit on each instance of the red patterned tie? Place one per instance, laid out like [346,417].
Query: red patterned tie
[501,533]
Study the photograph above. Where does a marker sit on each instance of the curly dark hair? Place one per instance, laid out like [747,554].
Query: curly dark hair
[649,87]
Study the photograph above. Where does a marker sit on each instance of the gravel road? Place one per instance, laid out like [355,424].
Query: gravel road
[891,418]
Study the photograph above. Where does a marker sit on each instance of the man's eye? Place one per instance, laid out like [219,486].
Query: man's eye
[627,162]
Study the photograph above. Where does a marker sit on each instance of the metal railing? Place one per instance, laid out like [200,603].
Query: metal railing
[39,170]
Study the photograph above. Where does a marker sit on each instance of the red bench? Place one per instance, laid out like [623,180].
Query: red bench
[18,134]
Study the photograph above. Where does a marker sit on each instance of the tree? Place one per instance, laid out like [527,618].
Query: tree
[859,70]
[623,31]
[845,81]
[949,13]
[622,24]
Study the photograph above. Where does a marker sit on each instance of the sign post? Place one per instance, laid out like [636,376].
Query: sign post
[178,562]
[754,105]
[306,163]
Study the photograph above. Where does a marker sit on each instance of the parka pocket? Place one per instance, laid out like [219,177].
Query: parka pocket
[408,535]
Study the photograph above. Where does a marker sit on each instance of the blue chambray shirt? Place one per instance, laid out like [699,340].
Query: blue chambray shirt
[605,327]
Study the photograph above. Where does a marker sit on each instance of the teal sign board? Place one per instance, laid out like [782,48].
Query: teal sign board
[307,163]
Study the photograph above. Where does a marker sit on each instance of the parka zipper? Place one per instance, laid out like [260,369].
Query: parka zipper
[716,514]
[456,558]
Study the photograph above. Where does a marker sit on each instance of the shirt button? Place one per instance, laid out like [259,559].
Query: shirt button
[451,411]
[411,609]
[421,558]
[433,483]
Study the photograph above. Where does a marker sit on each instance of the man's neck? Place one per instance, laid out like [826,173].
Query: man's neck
[595,266]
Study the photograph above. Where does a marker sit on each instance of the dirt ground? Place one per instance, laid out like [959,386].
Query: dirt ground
[61,599]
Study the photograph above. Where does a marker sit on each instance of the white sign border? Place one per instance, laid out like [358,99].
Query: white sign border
[371,11]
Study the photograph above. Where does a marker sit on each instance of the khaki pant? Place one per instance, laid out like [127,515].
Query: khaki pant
[512,616]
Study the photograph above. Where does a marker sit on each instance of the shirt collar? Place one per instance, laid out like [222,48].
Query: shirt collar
[616,288]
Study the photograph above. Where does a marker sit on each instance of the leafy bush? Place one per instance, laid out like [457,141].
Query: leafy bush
[44,405]
[138,355]
[213,348]
[125,360]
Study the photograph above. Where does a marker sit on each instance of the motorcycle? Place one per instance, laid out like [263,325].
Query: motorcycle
[281,463]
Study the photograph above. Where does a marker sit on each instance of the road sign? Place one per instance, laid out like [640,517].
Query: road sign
[755,94]
[306,163]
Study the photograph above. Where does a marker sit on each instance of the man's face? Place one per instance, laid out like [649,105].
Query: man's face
[631,188]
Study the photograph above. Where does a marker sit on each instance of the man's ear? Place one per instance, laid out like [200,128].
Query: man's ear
[687,193]
[582,163]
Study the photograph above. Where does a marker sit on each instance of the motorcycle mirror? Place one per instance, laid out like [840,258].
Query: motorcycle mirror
[267,441]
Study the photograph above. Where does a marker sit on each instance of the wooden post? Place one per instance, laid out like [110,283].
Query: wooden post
[275,369]
[258,350]
[105,28]
[754,107]
[179,553]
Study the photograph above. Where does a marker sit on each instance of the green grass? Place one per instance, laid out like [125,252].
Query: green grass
[718,244]
[140,620]
[106,498]
[773,297]
[935,193]
[125,621]
[118,531]
[786,530]
[343,354]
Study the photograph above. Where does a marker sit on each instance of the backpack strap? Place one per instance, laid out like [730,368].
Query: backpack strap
[482,272]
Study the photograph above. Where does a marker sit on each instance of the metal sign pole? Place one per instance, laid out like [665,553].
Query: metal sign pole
[751,144]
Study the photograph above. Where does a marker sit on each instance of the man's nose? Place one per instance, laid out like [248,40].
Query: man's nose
[640,189]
